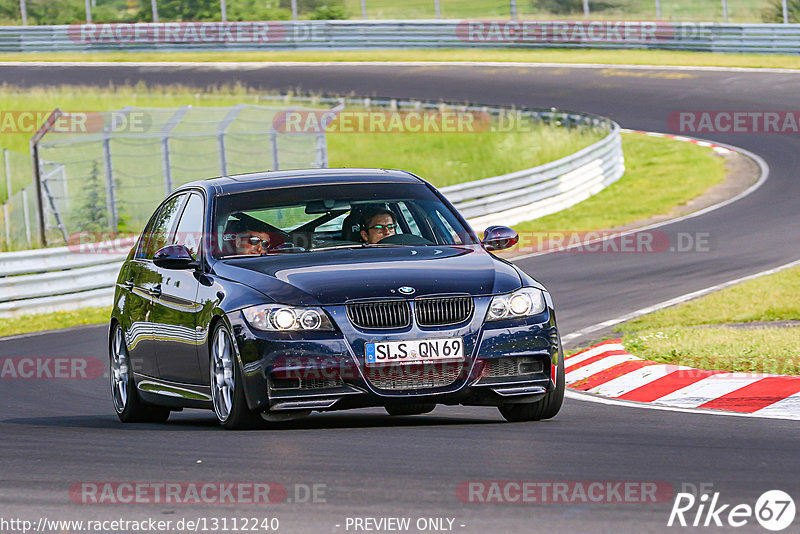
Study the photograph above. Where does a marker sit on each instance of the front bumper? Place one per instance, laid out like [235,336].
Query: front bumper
[505,362]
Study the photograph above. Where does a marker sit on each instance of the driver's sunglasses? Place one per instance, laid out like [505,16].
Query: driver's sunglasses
[255,241]
[382,226]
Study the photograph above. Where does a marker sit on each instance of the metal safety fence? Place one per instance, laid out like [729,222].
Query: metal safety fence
[107,171]
[83,275]
[394,34]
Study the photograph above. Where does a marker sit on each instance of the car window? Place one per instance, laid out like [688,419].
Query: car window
[309,218]
[157,235]
[189,231]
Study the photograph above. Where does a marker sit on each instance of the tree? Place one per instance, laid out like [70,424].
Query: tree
[91,214]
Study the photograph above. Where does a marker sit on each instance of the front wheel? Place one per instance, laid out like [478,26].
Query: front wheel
[227,384]
[129,407]
[545,408]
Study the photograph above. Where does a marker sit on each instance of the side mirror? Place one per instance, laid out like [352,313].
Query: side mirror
[499,238]
[174,257]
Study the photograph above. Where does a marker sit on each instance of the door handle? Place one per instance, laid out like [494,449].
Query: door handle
[128,284]
[156,290]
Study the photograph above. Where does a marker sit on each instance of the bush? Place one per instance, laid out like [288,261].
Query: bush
[45,11]
[567,7]
[318,9]
[328,13]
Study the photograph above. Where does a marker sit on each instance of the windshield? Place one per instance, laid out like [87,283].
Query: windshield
[314,218]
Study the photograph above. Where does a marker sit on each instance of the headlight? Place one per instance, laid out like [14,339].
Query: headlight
[280,318]
[524,302]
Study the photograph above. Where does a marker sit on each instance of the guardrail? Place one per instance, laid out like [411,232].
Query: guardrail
[63,278]
[47,280]
[362,34]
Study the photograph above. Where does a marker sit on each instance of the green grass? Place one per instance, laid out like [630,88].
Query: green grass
[648,188]
[613,57]
[681,335]
[738,10]
[751,350]
[448,158]
[457,157]
[51,321]
[767,298]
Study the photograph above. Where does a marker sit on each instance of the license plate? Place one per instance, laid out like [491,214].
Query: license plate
[414,351]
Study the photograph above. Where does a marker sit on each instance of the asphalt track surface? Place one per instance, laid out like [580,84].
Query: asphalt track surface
[54,434]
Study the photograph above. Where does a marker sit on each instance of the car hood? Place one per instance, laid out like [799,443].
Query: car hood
[337,276]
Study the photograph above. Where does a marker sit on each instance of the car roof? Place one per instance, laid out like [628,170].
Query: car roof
[239,183]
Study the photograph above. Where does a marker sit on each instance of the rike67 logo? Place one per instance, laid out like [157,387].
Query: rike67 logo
[774,510]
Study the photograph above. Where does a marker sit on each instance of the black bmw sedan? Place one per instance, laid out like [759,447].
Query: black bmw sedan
[271,295]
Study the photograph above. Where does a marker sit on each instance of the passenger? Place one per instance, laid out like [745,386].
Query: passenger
[377,224]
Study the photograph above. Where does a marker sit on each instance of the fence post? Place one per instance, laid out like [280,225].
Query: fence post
[658,9]
[7,220]
[322,151]
[513,9]
[273,139]
[173,121]
[26,215]
[223,8]
[37,180]
[221,127]
[65,186]
[8,174]
[364,9]
[111,201]
[725,10]
[154,7]
[294,10]
[6,214]
[167,165]
[88,6]
[437,8]
[785,8]
[586,8]
[24,10]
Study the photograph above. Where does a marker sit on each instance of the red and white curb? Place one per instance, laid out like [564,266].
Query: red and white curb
[608,370]
[719,149]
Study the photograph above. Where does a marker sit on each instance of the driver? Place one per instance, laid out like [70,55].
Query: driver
[377,224]
[248,241]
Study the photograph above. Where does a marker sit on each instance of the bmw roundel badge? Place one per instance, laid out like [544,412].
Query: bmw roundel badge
[406,290]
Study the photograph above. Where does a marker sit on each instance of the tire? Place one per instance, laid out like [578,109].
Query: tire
[546,408]
[127,404]
[227,384]
[417,408]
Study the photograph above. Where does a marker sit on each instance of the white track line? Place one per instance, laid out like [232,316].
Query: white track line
[224,65]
